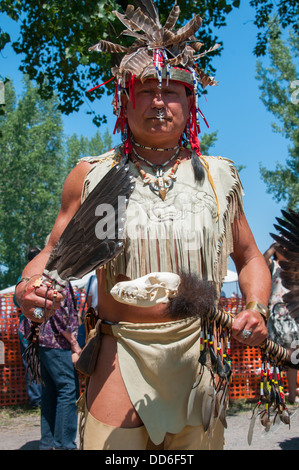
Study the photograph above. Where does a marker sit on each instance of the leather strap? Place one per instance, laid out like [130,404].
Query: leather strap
[106,329]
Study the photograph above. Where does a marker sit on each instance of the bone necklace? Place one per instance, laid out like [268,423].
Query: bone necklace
[161,183]
[156,149]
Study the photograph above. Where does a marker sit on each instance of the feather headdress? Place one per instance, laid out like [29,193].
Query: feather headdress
[158,47]
[161,52]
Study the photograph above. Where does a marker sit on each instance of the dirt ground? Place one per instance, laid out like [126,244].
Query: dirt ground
[20,430]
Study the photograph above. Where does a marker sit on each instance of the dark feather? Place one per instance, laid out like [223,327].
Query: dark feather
[213,48]
[288,225]
[106,46]
[288,249]
[288,246]
[291,237]
[80,249]
[184,33]
[133,34]
[145,23]
[292,267]
[183,58]
[195,44]
[149,9]
[292,217]
[128,23]
[136,62]
[173,17]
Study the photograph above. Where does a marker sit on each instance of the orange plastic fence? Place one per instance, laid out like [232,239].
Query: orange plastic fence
[12,375]
[246,360]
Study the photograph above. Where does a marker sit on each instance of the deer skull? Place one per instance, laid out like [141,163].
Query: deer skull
[148,290]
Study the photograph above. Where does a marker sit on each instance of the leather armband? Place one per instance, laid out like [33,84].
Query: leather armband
[24,279]
[264,311]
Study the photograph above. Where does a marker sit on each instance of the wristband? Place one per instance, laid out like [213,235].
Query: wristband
[254,305]
[26,279]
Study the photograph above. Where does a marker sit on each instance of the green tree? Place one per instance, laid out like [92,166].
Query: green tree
[280,91]
[32,169]
[36,157]
[286,14]
[80,146]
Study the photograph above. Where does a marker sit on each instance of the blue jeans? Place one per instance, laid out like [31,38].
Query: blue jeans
[59,395]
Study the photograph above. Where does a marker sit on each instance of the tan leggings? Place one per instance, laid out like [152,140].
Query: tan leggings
[100,436]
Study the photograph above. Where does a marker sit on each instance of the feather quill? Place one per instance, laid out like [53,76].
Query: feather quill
[107,46]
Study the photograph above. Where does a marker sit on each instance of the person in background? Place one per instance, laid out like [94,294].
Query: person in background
[282,328]
[59,352]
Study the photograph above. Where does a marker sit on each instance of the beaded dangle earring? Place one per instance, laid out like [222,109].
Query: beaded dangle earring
[121,124]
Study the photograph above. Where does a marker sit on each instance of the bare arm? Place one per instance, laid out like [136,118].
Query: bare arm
[28,296]
[254,281]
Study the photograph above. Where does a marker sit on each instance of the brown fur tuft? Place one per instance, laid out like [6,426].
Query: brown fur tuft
[194,297]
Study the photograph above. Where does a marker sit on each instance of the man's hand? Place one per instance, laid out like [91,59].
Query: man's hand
[33,293]
[252,321]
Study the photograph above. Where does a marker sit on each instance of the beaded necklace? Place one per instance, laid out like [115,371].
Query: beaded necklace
[161,184]
[156,149]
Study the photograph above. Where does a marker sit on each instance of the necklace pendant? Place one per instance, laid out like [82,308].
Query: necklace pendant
[162,193]
[162,188]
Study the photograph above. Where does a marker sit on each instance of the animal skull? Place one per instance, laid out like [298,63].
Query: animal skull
[147,290]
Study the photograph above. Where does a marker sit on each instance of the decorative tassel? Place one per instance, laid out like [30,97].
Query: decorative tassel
[31,355]
[197,167]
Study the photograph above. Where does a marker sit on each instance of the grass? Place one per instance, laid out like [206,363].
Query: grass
[240,406]
[7,413]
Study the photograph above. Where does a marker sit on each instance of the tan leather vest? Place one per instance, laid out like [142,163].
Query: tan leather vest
[181,233]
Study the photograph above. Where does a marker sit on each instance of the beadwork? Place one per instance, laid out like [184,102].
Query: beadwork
[155,149]
[161,184]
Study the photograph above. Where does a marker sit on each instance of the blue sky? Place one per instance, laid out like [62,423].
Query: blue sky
[233,108]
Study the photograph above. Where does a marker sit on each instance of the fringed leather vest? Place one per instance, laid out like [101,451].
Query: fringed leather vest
[181,233]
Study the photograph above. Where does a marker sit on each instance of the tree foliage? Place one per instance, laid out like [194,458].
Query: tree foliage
[280,95]
[35,159]
[79,146]
[55,37]
[285,14]
[31,168]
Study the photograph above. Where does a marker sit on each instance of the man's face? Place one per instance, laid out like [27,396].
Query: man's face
[146,127]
